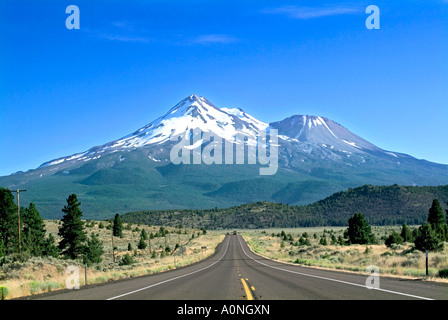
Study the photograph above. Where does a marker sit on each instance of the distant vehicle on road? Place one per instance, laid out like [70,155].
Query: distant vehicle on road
[234,232]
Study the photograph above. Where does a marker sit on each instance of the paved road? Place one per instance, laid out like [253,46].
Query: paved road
[236,273]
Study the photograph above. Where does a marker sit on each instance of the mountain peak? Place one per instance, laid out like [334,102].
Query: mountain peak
[322,131]
[195,97]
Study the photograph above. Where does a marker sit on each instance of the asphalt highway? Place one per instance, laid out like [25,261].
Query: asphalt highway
[234,272]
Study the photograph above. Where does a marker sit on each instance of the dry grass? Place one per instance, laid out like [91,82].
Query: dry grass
[400,260]
[35,275]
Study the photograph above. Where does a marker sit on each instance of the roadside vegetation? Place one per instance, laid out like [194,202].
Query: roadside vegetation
[109,249]
[395,250]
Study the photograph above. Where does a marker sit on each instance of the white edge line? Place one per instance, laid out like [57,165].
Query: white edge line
[335,280]
[168,280]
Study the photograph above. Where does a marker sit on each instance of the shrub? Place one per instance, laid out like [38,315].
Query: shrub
[443,273]
[3,293]
[394,238]
[323,240]
[39,286]
[304,241]
[411,262]
[142,244]
[368,250]
[127,260]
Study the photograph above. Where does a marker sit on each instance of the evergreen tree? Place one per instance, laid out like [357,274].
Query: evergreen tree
[323,240]
[406,233]
[50,249]
[2,249]
[72,229]
[93,250]
[428,239]
[117,228]
[144,235]
[304,241]
[8,222]
[341,241]
[142,243]
[359,231]
[446,214]
[33,231]
[394,238]
[334,241]
[436,218]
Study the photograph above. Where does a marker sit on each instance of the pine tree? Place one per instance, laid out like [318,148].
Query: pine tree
[33,231]
[323,241]
[8,222]
[94,250]
[50,248]
[428,239]
[2,249]
[436,218]
[334,241]
[359,231]
[144,235]
[394,238]
[142,243]
[118,226]
[406,233]
[72,229]
[446,214]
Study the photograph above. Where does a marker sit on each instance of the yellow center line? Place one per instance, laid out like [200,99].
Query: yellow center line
[246,289]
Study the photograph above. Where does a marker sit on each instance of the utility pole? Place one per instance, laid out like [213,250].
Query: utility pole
[18,215]
[180,245]
[149,242]
[85,273]
[113,247]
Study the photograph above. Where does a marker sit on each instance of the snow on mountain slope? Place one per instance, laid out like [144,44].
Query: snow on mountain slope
[321,131]
[305,132]
[191,113]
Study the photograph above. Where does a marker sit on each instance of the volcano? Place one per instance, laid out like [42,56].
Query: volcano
[316,157]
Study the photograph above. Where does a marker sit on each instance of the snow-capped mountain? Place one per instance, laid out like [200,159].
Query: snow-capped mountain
[191,113]
[195,112]
[321,131]
[316,157]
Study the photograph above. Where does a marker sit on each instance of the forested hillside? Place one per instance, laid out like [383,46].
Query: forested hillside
[381,205]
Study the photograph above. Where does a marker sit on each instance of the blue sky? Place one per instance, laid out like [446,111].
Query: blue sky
[63,91]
